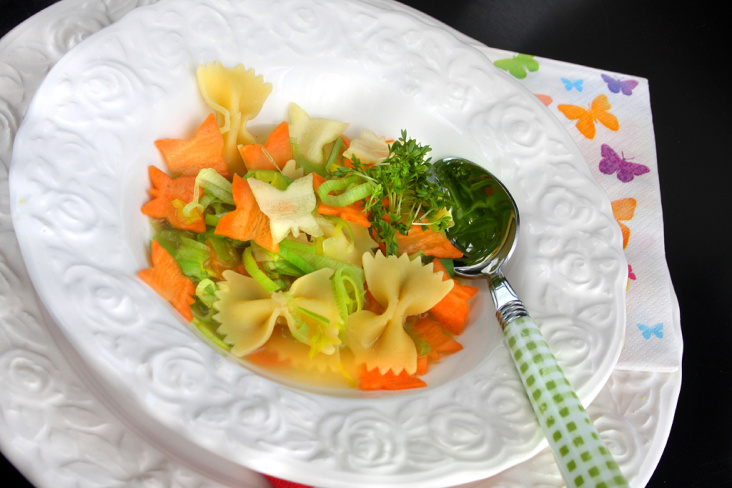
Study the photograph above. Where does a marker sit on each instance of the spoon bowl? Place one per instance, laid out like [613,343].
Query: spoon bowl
[485,230]
[485,216]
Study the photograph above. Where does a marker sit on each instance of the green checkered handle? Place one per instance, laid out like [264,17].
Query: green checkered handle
[583,458]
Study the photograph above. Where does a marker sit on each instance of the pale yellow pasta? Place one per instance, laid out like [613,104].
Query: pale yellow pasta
[314,293]
[349,244]
[248,313]
[236,95]
[292,171]
[312,134]
[404,287]
[368,148]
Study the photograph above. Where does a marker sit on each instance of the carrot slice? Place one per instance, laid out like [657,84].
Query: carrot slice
[432,243]
[352,213]
[205,150]
[265,357]
[277,147]
[370,303]
[374,380]
[452,311]
[435,335]
[169,197]
[247,222]
[317,181]
[167,279]
[440,341]
[217,264]
[422,365]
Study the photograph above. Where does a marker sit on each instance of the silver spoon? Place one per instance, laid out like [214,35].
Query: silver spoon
[485,230]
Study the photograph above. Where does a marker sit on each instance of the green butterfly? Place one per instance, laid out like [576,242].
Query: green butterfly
[518,65]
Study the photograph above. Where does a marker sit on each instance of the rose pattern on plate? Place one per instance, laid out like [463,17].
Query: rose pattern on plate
[99,272]
[170,475]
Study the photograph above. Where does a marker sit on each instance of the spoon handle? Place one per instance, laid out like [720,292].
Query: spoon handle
[583,458]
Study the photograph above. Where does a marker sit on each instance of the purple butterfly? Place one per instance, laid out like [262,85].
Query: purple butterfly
[617,85]
[611,162]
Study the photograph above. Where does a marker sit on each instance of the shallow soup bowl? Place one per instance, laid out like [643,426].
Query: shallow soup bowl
[79,178]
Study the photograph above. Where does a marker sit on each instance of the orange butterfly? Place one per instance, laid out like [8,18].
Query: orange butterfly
[624,209]
[586,117]
[545,99]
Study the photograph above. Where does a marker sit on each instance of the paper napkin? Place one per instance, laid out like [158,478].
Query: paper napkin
[618,143]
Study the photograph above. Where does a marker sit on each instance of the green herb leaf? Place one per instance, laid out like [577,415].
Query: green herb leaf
[403,192]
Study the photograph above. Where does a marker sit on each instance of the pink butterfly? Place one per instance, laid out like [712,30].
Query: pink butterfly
[611,162]
[617,85]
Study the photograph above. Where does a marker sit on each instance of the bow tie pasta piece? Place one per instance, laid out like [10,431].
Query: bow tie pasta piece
[404,287]
[368,148]
[349,243]
[289,210]
[248,313]
[312,134]
[236,95]
[313,297]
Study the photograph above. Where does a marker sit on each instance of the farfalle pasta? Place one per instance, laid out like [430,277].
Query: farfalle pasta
[248,313]
[368,148]
[404,287]
[236,95]
[312,134]
[310,253]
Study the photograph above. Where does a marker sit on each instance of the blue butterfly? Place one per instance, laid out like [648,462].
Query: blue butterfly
[647,332]
[569,84]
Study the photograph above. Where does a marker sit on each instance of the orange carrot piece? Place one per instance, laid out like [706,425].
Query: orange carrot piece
[277,147]
[352,213]
[165,192]
[374,380]
[440,341]
[371,304]
[317,181]
[452,311]
[433,332]
[247,222]
[265,357]
[205,150]
[218,265]
[432,243]
[167,279]
[422,365]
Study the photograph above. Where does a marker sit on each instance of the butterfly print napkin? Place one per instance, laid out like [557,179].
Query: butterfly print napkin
[609,117]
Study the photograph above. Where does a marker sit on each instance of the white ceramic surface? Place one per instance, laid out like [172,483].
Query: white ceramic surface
[78,179]
[16,279]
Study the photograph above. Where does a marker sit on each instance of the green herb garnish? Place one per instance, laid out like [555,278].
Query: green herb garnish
[403,192]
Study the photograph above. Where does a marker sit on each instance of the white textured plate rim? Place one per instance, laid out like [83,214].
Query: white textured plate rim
[66,321]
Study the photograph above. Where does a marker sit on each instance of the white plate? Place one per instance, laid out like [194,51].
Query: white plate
[78,179]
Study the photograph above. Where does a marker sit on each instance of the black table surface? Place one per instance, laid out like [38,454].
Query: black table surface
[680,50]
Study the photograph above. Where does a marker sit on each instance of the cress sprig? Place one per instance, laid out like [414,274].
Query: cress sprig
[403,193]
